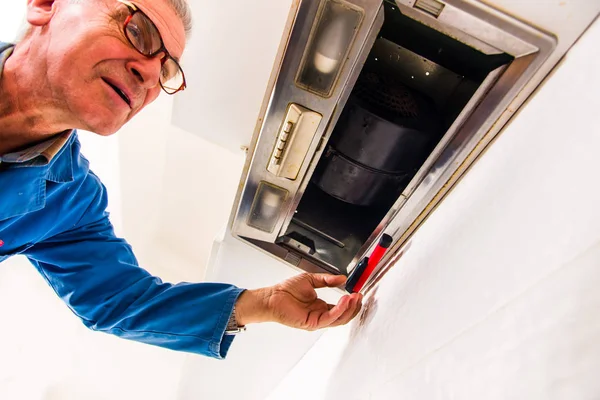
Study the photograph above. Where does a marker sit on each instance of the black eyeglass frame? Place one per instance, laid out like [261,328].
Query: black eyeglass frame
[133,9]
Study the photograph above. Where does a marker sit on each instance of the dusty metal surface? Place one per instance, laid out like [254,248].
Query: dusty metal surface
[415,71]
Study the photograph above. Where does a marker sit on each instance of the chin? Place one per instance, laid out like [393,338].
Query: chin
[103,130]
[105,133]
[102,126]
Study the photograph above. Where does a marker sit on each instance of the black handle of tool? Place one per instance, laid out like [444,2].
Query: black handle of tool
[356,273]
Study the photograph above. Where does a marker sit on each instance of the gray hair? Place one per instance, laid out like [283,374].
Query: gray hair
[183,11]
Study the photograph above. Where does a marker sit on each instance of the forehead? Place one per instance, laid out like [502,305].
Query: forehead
[168,23]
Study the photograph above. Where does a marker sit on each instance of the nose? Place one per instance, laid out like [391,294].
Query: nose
[146,70]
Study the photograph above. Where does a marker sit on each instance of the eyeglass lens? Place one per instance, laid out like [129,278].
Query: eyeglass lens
[144,36]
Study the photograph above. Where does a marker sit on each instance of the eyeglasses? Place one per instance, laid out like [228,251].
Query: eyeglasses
[143,35]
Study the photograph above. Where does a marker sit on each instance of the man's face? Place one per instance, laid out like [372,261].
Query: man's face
[88,60]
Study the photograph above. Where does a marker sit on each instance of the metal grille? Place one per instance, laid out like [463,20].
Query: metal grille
[292,258]
[384,92]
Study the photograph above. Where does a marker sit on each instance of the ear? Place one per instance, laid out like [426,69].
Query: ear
[39,12]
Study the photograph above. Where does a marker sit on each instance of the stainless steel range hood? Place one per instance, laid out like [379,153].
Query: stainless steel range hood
[468,59]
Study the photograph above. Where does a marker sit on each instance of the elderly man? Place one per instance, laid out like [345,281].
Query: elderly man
[94,64]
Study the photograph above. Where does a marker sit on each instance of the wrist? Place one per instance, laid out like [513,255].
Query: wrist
[252,307]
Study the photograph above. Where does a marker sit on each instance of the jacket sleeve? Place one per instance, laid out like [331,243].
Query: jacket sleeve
[98,277]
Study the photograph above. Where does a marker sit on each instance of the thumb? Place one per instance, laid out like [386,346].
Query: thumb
[326,280]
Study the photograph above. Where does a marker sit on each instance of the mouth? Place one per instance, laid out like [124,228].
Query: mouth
[118,90]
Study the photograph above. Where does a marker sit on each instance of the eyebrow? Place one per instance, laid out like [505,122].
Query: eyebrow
[157,30]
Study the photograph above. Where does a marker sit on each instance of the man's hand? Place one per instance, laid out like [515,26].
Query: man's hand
[294,303]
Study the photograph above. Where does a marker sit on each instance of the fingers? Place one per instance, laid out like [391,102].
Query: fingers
[340,314]
[322,319]
[353,310]
[327,315]
[325,280]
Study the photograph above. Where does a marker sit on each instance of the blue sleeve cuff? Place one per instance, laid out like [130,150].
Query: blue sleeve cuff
[221,342]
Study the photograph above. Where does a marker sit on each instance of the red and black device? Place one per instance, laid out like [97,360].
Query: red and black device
[365,267]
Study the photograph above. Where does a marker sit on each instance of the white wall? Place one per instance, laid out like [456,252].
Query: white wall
[231,56]
[497,296]
[176,189]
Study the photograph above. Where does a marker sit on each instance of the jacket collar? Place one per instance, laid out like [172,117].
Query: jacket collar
[28,181]
[60,166]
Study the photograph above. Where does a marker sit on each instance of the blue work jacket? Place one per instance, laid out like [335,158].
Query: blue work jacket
[54,213]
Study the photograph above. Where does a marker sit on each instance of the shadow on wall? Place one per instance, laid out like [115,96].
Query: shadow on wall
[369,321]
